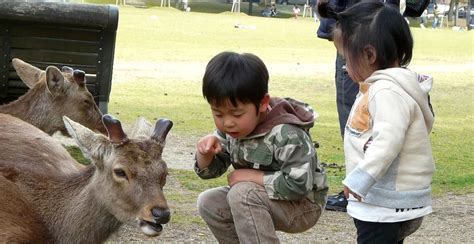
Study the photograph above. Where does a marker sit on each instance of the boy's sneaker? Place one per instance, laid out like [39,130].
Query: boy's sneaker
[337,202]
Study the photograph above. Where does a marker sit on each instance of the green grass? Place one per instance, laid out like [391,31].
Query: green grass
[155,35]
[192,182]
[77,154]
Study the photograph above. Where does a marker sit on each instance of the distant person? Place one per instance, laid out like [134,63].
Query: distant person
[471,23]
[423,19]
[436,16]
[277,183]
[273,11]
[267,11]
[388,155]
[314,12]
[185,5]
[296,11]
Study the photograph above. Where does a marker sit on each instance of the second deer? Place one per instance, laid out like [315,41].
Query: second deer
[53,94]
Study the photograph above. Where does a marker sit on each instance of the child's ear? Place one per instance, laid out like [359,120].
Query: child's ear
[370,54]
[264,103]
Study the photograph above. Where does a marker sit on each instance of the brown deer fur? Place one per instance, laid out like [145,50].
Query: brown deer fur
[52,95]
[46,197]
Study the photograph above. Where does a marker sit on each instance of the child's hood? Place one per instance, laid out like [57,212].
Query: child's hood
[286,111]
[416,85]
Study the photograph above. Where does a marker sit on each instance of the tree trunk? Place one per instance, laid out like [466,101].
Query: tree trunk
[468,15]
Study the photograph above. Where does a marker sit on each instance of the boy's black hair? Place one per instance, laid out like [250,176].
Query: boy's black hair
[376,24]
[234,77]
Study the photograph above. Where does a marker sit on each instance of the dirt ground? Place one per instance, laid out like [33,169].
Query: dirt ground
[452,220]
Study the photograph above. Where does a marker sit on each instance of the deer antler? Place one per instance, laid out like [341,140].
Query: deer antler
[162,127]
[114,129]
[79,77]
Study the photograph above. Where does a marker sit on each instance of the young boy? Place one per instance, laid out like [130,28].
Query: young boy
[277,182]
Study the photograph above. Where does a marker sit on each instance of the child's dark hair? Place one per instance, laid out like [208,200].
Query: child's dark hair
[235,77]
[376,24]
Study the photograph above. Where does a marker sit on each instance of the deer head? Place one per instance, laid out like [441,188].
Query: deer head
[55,93]
[130,173]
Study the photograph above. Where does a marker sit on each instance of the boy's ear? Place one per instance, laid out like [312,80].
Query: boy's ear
[264,103]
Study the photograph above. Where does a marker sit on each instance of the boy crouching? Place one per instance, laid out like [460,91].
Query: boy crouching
[277,182]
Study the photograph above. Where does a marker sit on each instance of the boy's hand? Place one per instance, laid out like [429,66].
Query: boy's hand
[206,148]
[347,191]
[241,175]
[209,145]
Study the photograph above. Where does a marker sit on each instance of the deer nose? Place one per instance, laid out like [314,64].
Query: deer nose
[161,215]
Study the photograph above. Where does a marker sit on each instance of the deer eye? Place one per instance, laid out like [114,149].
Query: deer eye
[120,173]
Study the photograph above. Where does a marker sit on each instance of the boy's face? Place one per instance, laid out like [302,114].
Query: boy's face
[238,121]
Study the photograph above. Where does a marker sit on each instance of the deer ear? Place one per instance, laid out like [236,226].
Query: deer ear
[54,80]
[91,144]
[141,128]
[67,69]
[28,73]
[162,127]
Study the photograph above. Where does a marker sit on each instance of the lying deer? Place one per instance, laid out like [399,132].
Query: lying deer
[45,198]
[52,95]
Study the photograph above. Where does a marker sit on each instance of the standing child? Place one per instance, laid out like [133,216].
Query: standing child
[296,11]
[277,182]
[389,162]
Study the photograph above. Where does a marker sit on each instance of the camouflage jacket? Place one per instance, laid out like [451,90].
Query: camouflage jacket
[281,146]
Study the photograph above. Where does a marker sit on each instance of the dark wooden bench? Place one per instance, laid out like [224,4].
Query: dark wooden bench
[81,36]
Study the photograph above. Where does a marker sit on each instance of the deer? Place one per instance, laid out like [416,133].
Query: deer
[52,94]
[46,198]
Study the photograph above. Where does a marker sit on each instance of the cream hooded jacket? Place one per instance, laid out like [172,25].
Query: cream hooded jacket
[387,148]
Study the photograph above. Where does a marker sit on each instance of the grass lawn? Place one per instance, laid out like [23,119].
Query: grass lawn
[155,36]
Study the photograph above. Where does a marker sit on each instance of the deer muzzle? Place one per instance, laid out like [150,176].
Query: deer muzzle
[160,216]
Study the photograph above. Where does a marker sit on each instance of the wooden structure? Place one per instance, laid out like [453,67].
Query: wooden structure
[163,3]
[235,6]
[307,10]
[81,36]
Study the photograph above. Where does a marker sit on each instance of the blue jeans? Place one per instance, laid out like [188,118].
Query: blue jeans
[435,23]
[346,92]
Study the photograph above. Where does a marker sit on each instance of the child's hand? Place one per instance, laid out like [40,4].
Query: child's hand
[347,191]
[241,175]
[206,148]
[209,145]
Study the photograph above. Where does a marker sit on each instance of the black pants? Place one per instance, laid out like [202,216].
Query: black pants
[373,232]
